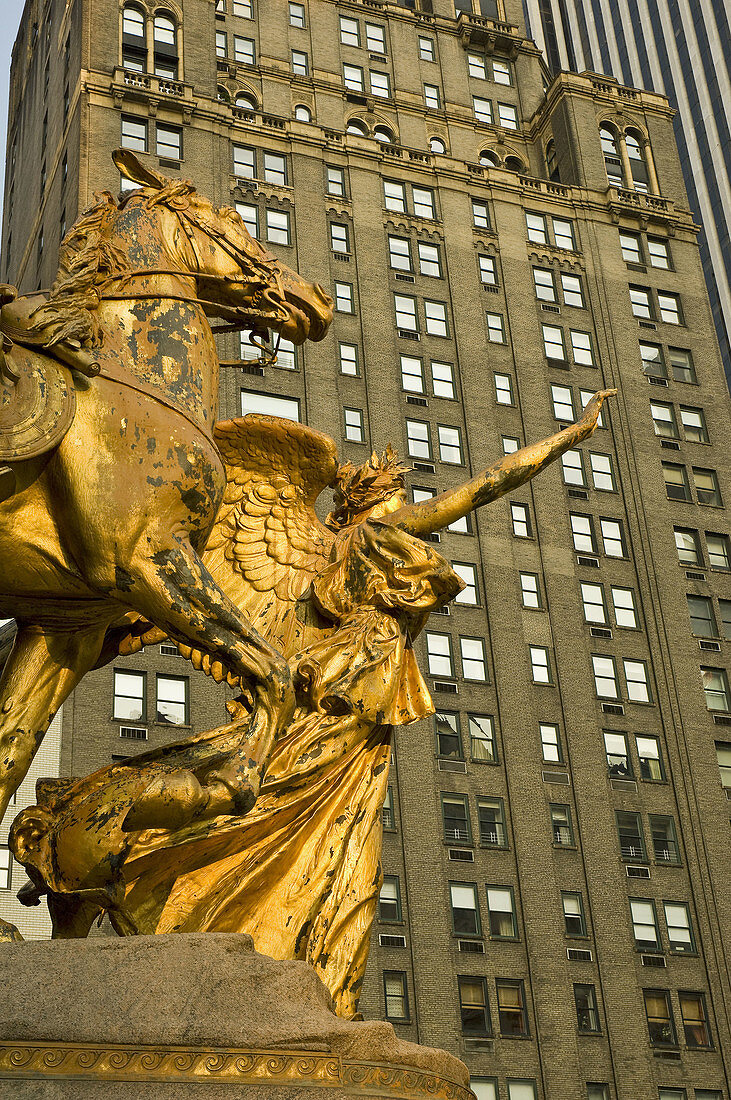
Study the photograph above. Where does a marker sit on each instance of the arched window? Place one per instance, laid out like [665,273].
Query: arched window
[245,101]
[552,162]
[382,133]
[638,167]
[437,145]
[489,160]
[514,164]
[222,95]
[166,47]
[302,113]
[355,126]
[134,42]
[612,159]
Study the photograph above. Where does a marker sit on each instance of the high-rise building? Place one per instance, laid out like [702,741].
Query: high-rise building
[499,244]
[683,51]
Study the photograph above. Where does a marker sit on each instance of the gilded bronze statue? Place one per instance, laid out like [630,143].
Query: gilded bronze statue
[111,477]
[343,601]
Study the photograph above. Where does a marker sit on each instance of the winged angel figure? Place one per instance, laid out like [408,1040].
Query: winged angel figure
[344,601]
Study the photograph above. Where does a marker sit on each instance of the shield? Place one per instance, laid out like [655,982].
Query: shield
[37,404]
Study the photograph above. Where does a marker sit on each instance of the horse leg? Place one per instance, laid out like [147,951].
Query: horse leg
[173,589]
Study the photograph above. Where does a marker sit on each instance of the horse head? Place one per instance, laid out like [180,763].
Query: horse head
[236,278]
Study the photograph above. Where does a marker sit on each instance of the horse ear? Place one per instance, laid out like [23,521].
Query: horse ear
[132,169]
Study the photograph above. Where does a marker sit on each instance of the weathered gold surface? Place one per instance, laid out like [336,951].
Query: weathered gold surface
[343,602]
[73,1061]
[110,521]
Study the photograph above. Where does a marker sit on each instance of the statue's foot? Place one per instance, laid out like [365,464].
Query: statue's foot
[9,933]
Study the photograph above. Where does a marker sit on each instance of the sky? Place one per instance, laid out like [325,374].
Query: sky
[10,13]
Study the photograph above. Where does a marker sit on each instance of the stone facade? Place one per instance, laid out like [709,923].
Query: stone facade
[502,387]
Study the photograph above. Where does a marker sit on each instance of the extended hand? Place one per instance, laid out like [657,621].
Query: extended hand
[588,421]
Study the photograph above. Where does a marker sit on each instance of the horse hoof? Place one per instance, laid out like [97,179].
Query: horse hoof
[9,933]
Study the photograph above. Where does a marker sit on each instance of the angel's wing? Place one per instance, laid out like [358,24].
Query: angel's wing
[267,543]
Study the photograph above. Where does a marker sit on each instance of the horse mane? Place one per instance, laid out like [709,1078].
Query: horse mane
[86,259]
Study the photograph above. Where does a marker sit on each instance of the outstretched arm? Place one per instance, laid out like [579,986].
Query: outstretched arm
[498,479]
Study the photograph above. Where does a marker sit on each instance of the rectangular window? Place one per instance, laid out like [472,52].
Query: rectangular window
[572,292]
[375,38]
[530,590]
[244,50]
[244,9]
[6,867]
[300,63]
[468,574]
[344,298]
[406,316]
[638,683]
[129,696]
[702,619]
[465,909]
[482,738]
[446,727]
[658,252]
[563,403]
[694,424]
[644,924]
[423,199]
[296,15]
[396,995]
[432,97]
[474,665]
[625,611]
[456,818]
[510,444]
[512,1014]
[592,598]
[473,1006]
[536,226]
[349,31]
[631,839]
[380,85]
[504,389]
[348,359]
[631,247]
[573,914]
[418,440]
[450,445]
[501,72]
[353,78]
[618,761]
[134,133]
[221,44]
[612,538]
[426,49]
[482,109]
[563,233]
[354,432]
[389,899]
[681,365]
[706,487]
[339,237]
[587,1013]
[480,215]
[641,301]
[545,286]
[695,1020]
[521,1088]
[394,195]
[648,751]
[435,314]
[491,815]
[168,142]
[669,308]
[387,812]
[581,346]
[439,654]
[719,551]
[501,913]
[520,518]
[715,686]
[550,742]
[429,260]
[723,756]
[250,217]
[488,271]
[582,533]
[605,677]
[680,929]
[659,1014]
[172,700]
[664,421]
[442,376]
[561,827]
[653,361]
[664,842]
[270,405]
[476,66]
[507,116]
[572,468]
[540,663]
[688,546]
[275,169]
[336,181]
[495,328]
[412,374]
[244,160]
[278,227]
[553,343]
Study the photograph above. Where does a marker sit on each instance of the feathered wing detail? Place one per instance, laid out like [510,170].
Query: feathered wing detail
[267,542]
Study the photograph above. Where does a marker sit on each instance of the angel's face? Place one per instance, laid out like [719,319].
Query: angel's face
[391,504]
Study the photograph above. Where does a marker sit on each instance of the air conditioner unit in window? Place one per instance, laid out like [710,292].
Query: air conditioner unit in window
[407,334]
[653,960]
[693,576]
[417,401]
[133,733]
[584,559]
[471,947]
[168,650]
[452,766]
[405,278]
[479,1044]
[425,467]
[669,445]
[612,708]
[722,719]
[555,777]
[600,632]
[461,855]
[656,381]
[638,872]
[715,647]
[579,954]
[446,686]
[580,494]
[386,940]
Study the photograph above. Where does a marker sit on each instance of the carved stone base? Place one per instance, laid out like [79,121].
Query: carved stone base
[194,1017]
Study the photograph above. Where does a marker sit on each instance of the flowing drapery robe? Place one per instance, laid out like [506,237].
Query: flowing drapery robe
[301,872]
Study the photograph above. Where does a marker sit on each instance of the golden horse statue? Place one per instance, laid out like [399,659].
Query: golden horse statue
[343,600]
[105,509]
